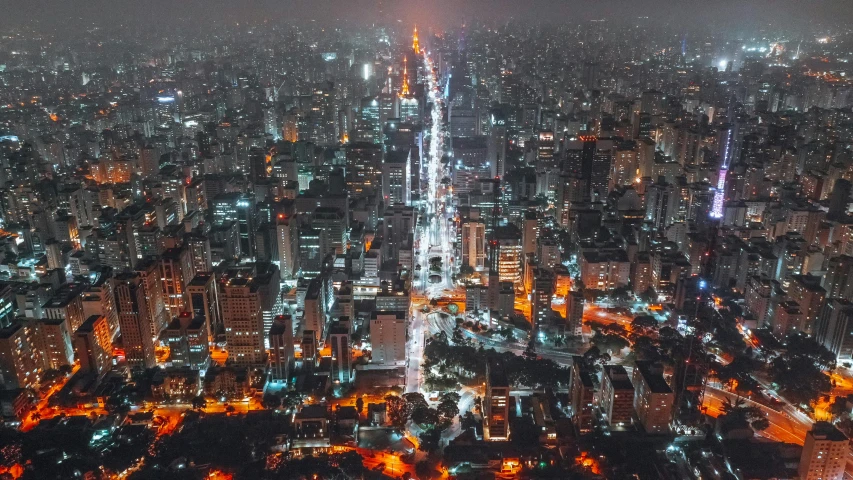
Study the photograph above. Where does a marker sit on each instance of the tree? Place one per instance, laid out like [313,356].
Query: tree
[594,357]
[271,401]
[448,408]
[468,421]
[643,322]
[419,410]
[530,352]
[466,270]
[799,345]
[291,400]
[738,370]
[425,470]
[429,440]
[398,411]
[458,338]
[609,342]
[799,378]
[351,463]
[750,414]
[801,370]
[199,402]
[507,333]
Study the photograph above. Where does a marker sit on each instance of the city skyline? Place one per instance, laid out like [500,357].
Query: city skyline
[424,240]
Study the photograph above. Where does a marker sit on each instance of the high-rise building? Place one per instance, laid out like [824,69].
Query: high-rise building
[834,328]
[824,454]
[54,342]
[99,299]
[617,396]
[93,345]
[135,318]
[398,231]
[364,168]
[397,177]
[838,280]
[605,270]
[529,233]
[315,311]
[473,243]
[591,75]
[240,208]
[574,313]
[148,270]
[388,338]
[507,242]
[187,338]
[339,338]
[548,252]
[543,292]
[653,398]
[67,304]
[281,348]
[243,320]
[200,250]
[839,202]
[582,396]
[332,225]
[810,296]
[496,403]
[496,149]
[176,271]
[20,362]
[203,297]
[288,246]
[310,258]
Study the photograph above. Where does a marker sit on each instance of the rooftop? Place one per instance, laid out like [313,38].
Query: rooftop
[653,378]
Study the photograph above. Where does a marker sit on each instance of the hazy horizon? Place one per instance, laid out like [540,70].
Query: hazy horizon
[684,14]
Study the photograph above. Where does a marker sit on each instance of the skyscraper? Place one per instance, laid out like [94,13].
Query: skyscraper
[388,338]
[93,345]
[281,348]
[473,243]
[838,281]
[188,342]
[203,300]
[134,316]
[339,339]
[496,148]
[543,291]
[288,246]
[496,403]
[242,317]
[833,328]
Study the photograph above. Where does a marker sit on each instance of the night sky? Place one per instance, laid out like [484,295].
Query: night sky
[429,13]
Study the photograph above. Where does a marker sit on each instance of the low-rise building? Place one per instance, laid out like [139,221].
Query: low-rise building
[181,383]
[227,382]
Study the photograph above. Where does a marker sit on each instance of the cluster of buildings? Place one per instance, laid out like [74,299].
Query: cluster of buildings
[250,202]
[186,212]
